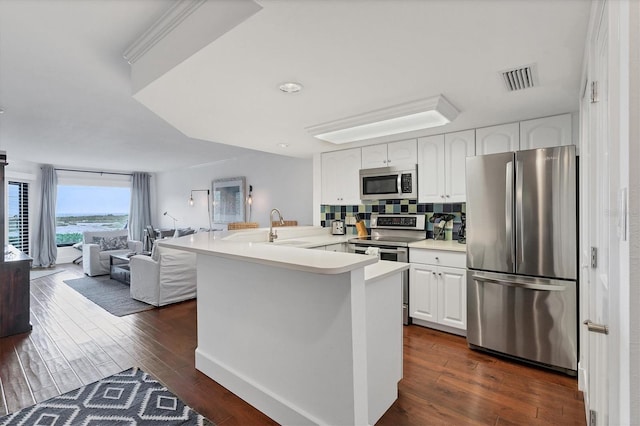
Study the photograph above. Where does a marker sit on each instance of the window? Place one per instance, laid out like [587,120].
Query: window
[89,208]
[18,208]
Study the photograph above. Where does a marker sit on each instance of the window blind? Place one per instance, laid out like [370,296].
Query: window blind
[18,208]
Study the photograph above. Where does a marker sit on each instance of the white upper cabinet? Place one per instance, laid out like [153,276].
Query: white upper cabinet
[441,165]
[340,177]
[494,139]
[546,132]
[389,155]
[457,147]
[431,169]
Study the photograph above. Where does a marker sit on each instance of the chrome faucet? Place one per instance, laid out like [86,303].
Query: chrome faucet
[274,234]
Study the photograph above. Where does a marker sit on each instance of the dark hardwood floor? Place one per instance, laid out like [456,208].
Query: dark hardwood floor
[74,342]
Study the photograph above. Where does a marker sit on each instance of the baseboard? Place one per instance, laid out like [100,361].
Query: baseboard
[272,405]
[439,327]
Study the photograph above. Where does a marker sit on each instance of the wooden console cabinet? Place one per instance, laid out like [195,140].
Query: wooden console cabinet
[14,293]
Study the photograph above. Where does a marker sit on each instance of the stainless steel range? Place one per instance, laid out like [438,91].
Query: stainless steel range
[390,238]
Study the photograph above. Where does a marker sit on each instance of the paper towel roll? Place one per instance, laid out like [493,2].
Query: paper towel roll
[372,251]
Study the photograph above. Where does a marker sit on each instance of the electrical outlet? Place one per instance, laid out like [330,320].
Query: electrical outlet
[350,220]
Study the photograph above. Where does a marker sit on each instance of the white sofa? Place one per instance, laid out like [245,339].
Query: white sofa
[97,246]
[168,276]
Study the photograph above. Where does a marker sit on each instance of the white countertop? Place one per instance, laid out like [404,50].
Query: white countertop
[382,269]
[453,245]
[289,256]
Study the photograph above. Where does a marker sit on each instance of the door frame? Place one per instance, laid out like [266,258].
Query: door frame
[624,135]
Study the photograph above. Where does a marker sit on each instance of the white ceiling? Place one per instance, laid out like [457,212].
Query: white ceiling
[66,88]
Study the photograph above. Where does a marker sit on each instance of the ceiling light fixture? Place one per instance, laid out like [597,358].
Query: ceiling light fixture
[290,87]
[283,145]
[417,115]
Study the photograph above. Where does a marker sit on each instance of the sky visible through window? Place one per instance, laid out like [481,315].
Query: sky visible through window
[89,208]
[92,200]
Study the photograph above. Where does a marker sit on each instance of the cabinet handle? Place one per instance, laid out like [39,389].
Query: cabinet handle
[442,196]
[440,273]
[437,258]
[447,195]
[433,273]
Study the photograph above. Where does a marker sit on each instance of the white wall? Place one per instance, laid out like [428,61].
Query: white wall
[281,182]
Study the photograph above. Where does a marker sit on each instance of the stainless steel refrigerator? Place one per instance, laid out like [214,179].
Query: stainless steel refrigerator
[521,255]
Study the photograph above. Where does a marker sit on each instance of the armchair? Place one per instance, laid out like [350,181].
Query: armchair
[97,246]
[169,276]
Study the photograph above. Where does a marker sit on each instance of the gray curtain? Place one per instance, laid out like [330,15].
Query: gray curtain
[140,213]
[45,250]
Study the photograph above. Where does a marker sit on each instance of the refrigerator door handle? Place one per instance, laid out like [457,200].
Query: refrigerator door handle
[519,284]
[508,212]
[519,217]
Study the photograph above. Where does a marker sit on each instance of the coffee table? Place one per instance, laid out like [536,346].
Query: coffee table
[119,269]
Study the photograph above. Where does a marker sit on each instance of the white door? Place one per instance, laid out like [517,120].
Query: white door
[329,183]
[423,292]
[494,139]
[457,147]
[349,176]
[603,231]
[402,153]
[374,156]
[452,297]
[431,169]
[546,132]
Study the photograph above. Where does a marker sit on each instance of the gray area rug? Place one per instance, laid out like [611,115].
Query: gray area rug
[113,296]
[132,397]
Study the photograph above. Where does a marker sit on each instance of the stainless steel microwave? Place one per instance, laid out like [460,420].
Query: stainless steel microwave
[388,183]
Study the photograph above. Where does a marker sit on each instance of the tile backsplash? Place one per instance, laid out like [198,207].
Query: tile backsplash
[329,213]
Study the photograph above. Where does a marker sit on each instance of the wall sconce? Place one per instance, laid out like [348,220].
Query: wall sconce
[250,200]
[191,202]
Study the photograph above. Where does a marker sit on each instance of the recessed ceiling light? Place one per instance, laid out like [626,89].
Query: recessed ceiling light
[290,87]
[283,145]
[1,111]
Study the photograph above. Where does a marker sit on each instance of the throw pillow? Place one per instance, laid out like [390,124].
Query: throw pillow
[181,232]
[112,243]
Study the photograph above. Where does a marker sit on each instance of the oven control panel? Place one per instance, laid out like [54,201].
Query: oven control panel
[398,221]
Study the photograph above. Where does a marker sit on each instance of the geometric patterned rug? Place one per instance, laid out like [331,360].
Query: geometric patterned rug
[129,398]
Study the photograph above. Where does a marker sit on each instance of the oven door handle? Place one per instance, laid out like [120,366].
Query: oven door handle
[393,251]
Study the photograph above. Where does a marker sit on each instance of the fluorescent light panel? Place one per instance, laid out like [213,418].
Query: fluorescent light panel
[416,115]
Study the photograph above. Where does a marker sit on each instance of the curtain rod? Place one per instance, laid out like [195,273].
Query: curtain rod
[93,171]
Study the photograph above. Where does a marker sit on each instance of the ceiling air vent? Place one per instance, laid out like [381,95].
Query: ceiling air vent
[519,78]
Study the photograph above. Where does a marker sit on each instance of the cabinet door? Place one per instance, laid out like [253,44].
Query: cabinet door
[452,297]
[349,176]
[494,139]
[339,247]
[423,292]
[431,169]
[546,132]
[457,147]
[330,170]
[374,156]
[402,153]
[340,178]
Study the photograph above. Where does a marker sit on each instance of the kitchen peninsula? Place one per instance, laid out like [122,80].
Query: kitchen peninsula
[305,336]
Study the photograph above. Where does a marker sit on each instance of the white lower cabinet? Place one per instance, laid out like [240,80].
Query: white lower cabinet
[339,247]
[438,291]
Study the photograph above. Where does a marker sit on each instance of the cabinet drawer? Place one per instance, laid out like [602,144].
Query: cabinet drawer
[438,257]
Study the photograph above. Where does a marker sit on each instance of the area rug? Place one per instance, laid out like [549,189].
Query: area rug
[132,397]
[39,273]
[111,295]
